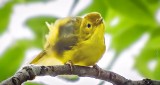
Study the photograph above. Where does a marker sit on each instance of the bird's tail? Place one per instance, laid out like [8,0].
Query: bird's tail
[49,60]
[45,59]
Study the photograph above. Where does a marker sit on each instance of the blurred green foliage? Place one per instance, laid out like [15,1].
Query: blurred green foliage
[33,83]
[38,26]
[96,6]
[5,13]
[135,17]
[12,58]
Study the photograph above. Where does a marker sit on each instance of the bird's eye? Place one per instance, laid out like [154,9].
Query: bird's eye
[88,25]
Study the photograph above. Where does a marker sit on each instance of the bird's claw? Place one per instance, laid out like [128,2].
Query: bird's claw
[70,63]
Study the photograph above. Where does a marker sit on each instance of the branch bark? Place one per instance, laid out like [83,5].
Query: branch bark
[30,72]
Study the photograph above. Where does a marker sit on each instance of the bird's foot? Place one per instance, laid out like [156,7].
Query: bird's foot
[70,63]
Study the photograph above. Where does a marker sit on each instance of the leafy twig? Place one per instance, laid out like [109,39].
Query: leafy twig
[30,72]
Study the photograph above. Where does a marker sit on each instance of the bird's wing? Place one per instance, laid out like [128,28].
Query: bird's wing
[68,35]
[65,39]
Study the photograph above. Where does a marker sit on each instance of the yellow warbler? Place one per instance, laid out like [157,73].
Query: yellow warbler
[76,39]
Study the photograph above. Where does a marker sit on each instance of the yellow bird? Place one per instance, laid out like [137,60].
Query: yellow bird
[76,39]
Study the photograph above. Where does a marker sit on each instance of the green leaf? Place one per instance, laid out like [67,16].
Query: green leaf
[5,13]
[37,24]
[143,60]
[154,40]
[70,78]
[11,60]
[96,6]
[153,5]
[33,83]
[135,18]
[154,43]
[150,52]
[111,15]
[126,35]
[125,32]
[136,10]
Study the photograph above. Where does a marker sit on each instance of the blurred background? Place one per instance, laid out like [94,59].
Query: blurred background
[132,36]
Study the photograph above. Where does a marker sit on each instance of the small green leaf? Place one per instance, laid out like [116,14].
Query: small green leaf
[153,5]
[154,40]
[5,13]
[70,78]
[37,24]
[33,83]
[11,60]
[136,10]
[96,6]
[125,32]
[127,36]
[154,43]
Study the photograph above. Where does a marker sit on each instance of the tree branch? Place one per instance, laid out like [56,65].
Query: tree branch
[30,72]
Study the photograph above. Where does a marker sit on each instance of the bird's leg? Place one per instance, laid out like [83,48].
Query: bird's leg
[70,63]
[98,69]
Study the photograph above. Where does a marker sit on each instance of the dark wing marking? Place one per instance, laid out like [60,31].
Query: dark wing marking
[64,44]
[68,35]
